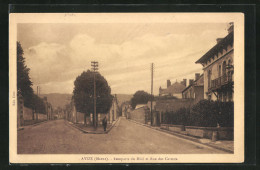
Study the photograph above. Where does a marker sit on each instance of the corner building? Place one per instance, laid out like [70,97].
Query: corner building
[218,69]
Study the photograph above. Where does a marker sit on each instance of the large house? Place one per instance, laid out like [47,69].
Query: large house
[219,68]
[195,90]
[174,89]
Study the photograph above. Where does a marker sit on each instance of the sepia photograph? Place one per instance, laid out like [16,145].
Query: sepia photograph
[126,87]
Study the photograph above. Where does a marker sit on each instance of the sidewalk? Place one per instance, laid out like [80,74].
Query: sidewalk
[224,145]
[90,129]
[31,123]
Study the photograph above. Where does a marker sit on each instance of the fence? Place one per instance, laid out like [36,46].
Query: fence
[205,114]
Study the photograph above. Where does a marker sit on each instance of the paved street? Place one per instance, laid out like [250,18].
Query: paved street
[56,137]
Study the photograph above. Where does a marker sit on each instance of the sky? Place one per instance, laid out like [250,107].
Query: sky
[57,53]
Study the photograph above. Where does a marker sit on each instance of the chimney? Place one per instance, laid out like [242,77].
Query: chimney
[197,76]
[218,40]
[184,82]
[191,81]
[168,83]
[231,27]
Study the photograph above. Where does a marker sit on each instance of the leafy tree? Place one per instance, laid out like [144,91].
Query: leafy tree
[83,93]
[140,97]
[24,84]
[39,104]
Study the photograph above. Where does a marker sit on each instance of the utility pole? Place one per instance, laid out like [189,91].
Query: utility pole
[94,65]
[152,94]
[38,93]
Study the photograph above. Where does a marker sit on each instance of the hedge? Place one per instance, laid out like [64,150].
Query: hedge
[204,114]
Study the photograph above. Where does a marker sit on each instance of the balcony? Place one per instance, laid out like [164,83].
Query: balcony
[218,83]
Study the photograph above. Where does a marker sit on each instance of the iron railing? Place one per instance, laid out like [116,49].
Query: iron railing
[220,81]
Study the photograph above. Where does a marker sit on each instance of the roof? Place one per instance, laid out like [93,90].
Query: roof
[193,83]
[214,50]
[186,88]
[140,106]
[174,88]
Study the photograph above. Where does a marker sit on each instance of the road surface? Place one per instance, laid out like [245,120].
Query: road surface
[57,137]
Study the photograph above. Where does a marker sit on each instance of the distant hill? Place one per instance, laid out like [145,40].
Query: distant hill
[57,99]
[123,98]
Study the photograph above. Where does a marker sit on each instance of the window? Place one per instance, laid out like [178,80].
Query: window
[229,70]
[224,68]
[230,98]
[209,78]
[219,71]
[229,62]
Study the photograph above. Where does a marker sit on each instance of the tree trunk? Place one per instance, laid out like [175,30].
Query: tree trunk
[97,120]
[85,117]
[76,117]
[33,114]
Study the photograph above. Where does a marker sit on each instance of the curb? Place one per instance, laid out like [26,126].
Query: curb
[113,124]
[92,132]
[184,136]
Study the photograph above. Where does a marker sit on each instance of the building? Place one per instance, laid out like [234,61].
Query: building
[114,110]
[140,114]
[138,106]
[195,90]
[174,89]
[48,108]
[219,68]
[125,105]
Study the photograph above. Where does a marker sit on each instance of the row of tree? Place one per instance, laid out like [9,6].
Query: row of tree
[24,84]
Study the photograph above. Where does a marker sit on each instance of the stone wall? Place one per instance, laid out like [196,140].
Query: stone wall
[173,104]
[199,93]
[140,115]
[223,133]
[28,114]
[42,116]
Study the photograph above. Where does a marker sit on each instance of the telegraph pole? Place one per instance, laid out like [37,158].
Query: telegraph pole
[38,93]
[94,65]
[152,94]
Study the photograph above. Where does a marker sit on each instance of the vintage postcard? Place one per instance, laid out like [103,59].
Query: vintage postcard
[126,87]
